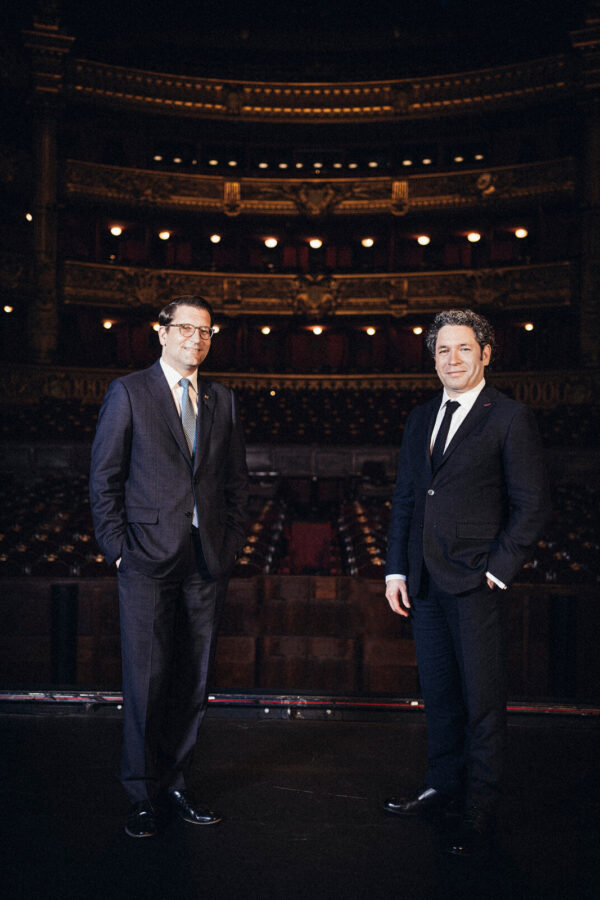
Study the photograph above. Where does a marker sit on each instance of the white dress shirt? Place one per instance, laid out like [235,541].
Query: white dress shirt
[173,378]
[466,402]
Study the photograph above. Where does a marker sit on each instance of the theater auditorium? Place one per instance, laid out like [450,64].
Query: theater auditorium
[329,176]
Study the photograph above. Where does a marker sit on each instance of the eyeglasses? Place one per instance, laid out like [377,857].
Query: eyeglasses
[187,331]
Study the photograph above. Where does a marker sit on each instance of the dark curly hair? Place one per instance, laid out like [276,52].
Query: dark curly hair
[484,333]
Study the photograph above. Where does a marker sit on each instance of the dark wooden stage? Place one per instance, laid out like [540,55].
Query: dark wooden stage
[300,786]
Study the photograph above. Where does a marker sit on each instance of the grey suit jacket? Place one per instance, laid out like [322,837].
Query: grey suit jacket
[482,509]
[144,484]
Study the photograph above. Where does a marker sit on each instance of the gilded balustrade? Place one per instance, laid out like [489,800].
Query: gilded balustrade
[341,196]
[542,390]
[510,287]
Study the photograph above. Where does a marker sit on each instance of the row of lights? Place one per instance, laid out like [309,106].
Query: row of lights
[318,164]
[266,329]
[316,243]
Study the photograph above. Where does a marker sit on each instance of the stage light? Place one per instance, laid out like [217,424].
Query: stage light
[427,161]
[263,165]
[407,162]
[177,159]
[283,165]
[157,157]
[318,165]
[299,165]
[353,165]
[417,330]
[155,326]
[337,165]
[215,238]
[529,326]
[216,329]
[373,164]
[459,159]
[473,237]
[29,217]
[423,240]
[213,162]
[8,309]
[107,324]
[116,230]
[265,330]
[272,393]
[367,242]
[478,157]
[271,242]
[232,163]
[317,329]
[371,331]
[315,243]
[521,232]
[164,235]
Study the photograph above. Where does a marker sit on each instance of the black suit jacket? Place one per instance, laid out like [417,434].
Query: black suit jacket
[144,484]
[484,506]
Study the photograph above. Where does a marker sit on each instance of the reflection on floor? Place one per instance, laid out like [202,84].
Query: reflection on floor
[301,801]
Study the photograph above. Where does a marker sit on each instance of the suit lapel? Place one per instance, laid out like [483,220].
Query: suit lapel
[480,409]
[159,388]
[206,411]
[435,408]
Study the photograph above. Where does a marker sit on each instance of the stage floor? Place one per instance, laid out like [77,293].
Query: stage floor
[302,807]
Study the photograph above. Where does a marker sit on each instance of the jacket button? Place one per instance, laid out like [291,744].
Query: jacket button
[431,492]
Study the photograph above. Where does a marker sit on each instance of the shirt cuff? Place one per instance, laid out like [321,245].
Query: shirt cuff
[390,577]
[496,581]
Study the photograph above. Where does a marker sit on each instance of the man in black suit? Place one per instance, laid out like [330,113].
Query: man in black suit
[168,489]
[470,500]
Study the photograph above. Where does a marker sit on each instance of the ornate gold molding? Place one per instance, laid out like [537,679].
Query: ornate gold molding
[537,389]
[452,94]
[509,287]
[343,196]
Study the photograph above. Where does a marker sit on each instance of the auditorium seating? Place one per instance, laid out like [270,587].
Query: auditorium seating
[295,416]
[46,531]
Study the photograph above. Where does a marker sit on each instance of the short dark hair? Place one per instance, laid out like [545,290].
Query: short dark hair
[165,316]
[484,333]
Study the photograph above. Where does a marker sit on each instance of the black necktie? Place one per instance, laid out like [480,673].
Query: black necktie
[442,435]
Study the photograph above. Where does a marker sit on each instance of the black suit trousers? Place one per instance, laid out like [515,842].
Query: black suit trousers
[168,639]
[461,654]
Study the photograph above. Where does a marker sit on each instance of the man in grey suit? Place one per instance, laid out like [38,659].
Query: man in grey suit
[168,489]
[470,499]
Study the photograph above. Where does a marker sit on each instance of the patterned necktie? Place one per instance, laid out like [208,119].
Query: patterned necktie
[188,416]
[442,436]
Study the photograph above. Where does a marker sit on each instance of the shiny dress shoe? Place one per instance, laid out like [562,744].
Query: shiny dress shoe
[428,801]
[141,821]
[474,837]
[188,811]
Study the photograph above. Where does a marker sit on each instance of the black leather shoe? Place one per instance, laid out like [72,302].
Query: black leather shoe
[428,801]
[475,835]
[183,807]
[141,821]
